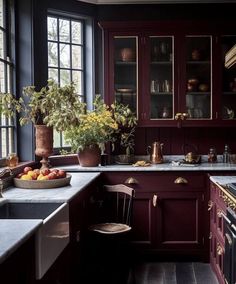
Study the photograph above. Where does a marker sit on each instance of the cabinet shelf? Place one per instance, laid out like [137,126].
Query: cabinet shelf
[125,63]
[165,63]
[198,93]
[198,62]
[229,93]
[161,93]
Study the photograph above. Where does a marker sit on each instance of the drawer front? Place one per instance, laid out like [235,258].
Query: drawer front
[164,181]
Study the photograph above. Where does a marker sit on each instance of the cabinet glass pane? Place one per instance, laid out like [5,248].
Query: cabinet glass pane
[228,101]
[125,71]
[161,77]
[198,77]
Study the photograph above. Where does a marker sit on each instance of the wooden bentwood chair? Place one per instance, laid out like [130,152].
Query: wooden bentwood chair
[117,207]
[108,238]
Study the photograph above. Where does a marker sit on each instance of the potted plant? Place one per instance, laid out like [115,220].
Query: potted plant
[50,107]
[97,127]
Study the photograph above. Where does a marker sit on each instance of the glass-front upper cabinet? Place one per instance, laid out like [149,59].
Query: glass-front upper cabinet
[228,92]
[126,70]
[161,77]
[198,98]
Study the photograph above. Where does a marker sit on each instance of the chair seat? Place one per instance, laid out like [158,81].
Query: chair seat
[110,228]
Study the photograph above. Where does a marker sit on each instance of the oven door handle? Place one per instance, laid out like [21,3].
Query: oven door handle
[225,218]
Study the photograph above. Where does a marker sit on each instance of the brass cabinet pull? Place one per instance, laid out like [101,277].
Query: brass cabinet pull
[210,205]
[219,213]
[210,235]
[154,200]
[219,249]
[228,239]
[181,180]
[131,180]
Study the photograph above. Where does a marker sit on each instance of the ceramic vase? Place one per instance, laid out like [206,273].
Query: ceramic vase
[90,156]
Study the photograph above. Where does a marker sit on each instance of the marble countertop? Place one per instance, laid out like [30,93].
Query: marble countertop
[61,194]
[166,166]
[14,232]
[223,180]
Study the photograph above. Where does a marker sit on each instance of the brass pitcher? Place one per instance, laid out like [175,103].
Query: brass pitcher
[155,152]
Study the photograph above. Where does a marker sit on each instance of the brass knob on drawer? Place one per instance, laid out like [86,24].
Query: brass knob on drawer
[210,205]
[219,249]
[219,213]
[131,180]
[181,180]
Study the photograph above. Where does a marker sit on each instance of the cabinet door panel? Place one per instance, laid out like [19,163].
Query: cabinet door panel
[142,221]
[178,220]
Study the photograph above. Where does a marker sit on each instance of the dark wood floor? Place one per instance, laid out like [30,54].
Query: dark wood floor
[172,273]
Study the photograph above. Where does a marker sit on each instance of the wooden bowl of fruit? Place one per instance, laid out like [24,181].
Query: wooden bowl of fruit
[42,179]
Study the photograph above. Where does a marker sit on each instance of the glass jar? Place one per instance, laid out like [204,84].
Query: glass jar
[12,160]
[212,157]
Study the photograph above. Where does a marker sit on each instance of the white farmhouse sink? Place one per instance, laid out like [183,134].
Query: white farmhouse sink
[52,237]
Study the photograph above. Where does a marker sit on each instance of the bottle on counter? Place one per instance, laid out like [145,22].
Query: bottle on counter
[212,156]
[226,154]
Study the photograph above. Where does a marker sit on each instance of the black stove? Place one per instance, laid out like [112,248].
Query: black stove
[231,187]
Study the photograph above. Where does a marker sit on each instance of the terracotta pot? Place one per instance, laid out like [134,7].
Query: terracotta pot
[44,143]
[90,156]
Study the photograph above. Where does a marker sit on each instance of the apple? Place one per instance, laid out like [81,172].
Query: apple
[52,175]
[45,171]
[40,176]
[37,171]
[61,174]
[32,174]
[27,169]
[26,177]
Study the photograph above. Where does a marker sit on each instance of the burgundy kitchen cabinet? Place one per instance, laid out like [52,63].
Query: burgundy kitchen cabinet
[169,71]
[168,217]
[216,206]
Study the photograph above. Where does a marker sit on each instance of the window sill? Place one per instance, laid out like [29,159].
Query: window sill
[63,160]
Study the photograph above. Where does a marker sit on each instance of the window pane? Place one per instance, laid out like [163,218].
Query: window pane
[76,57]
[76,32]
[52,54]
[4,142]
[1,13]
[64,55]
[52,29]
[2,78]
[64,144]
[77,79]
[1,44]
[64,30]
[53,74]
[65,77]
[56,139]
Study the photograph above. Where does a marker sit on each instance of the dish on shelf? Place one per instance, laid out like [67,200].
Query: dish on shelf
[42,184]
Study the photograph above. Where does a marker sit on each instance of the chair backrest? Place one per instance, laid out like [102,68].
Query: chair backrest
[120,202]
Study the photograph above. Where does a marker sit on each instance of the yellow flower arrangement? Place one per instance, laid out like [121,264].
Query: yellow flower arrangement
[98,126]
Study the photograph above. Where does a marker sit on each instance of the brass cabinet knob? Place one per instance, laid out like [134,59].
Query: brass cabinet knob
[219,249]
[154,200]
[181,180]
[210,205]
[219,213]
[131,180]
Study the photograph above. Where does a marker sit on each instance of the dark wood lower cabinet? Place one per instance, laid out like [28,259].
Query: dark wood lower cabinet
[168,217]
[19,267]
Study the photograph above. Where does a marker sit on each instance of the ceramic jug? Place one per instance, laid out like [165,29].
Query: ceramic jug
[155,151]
